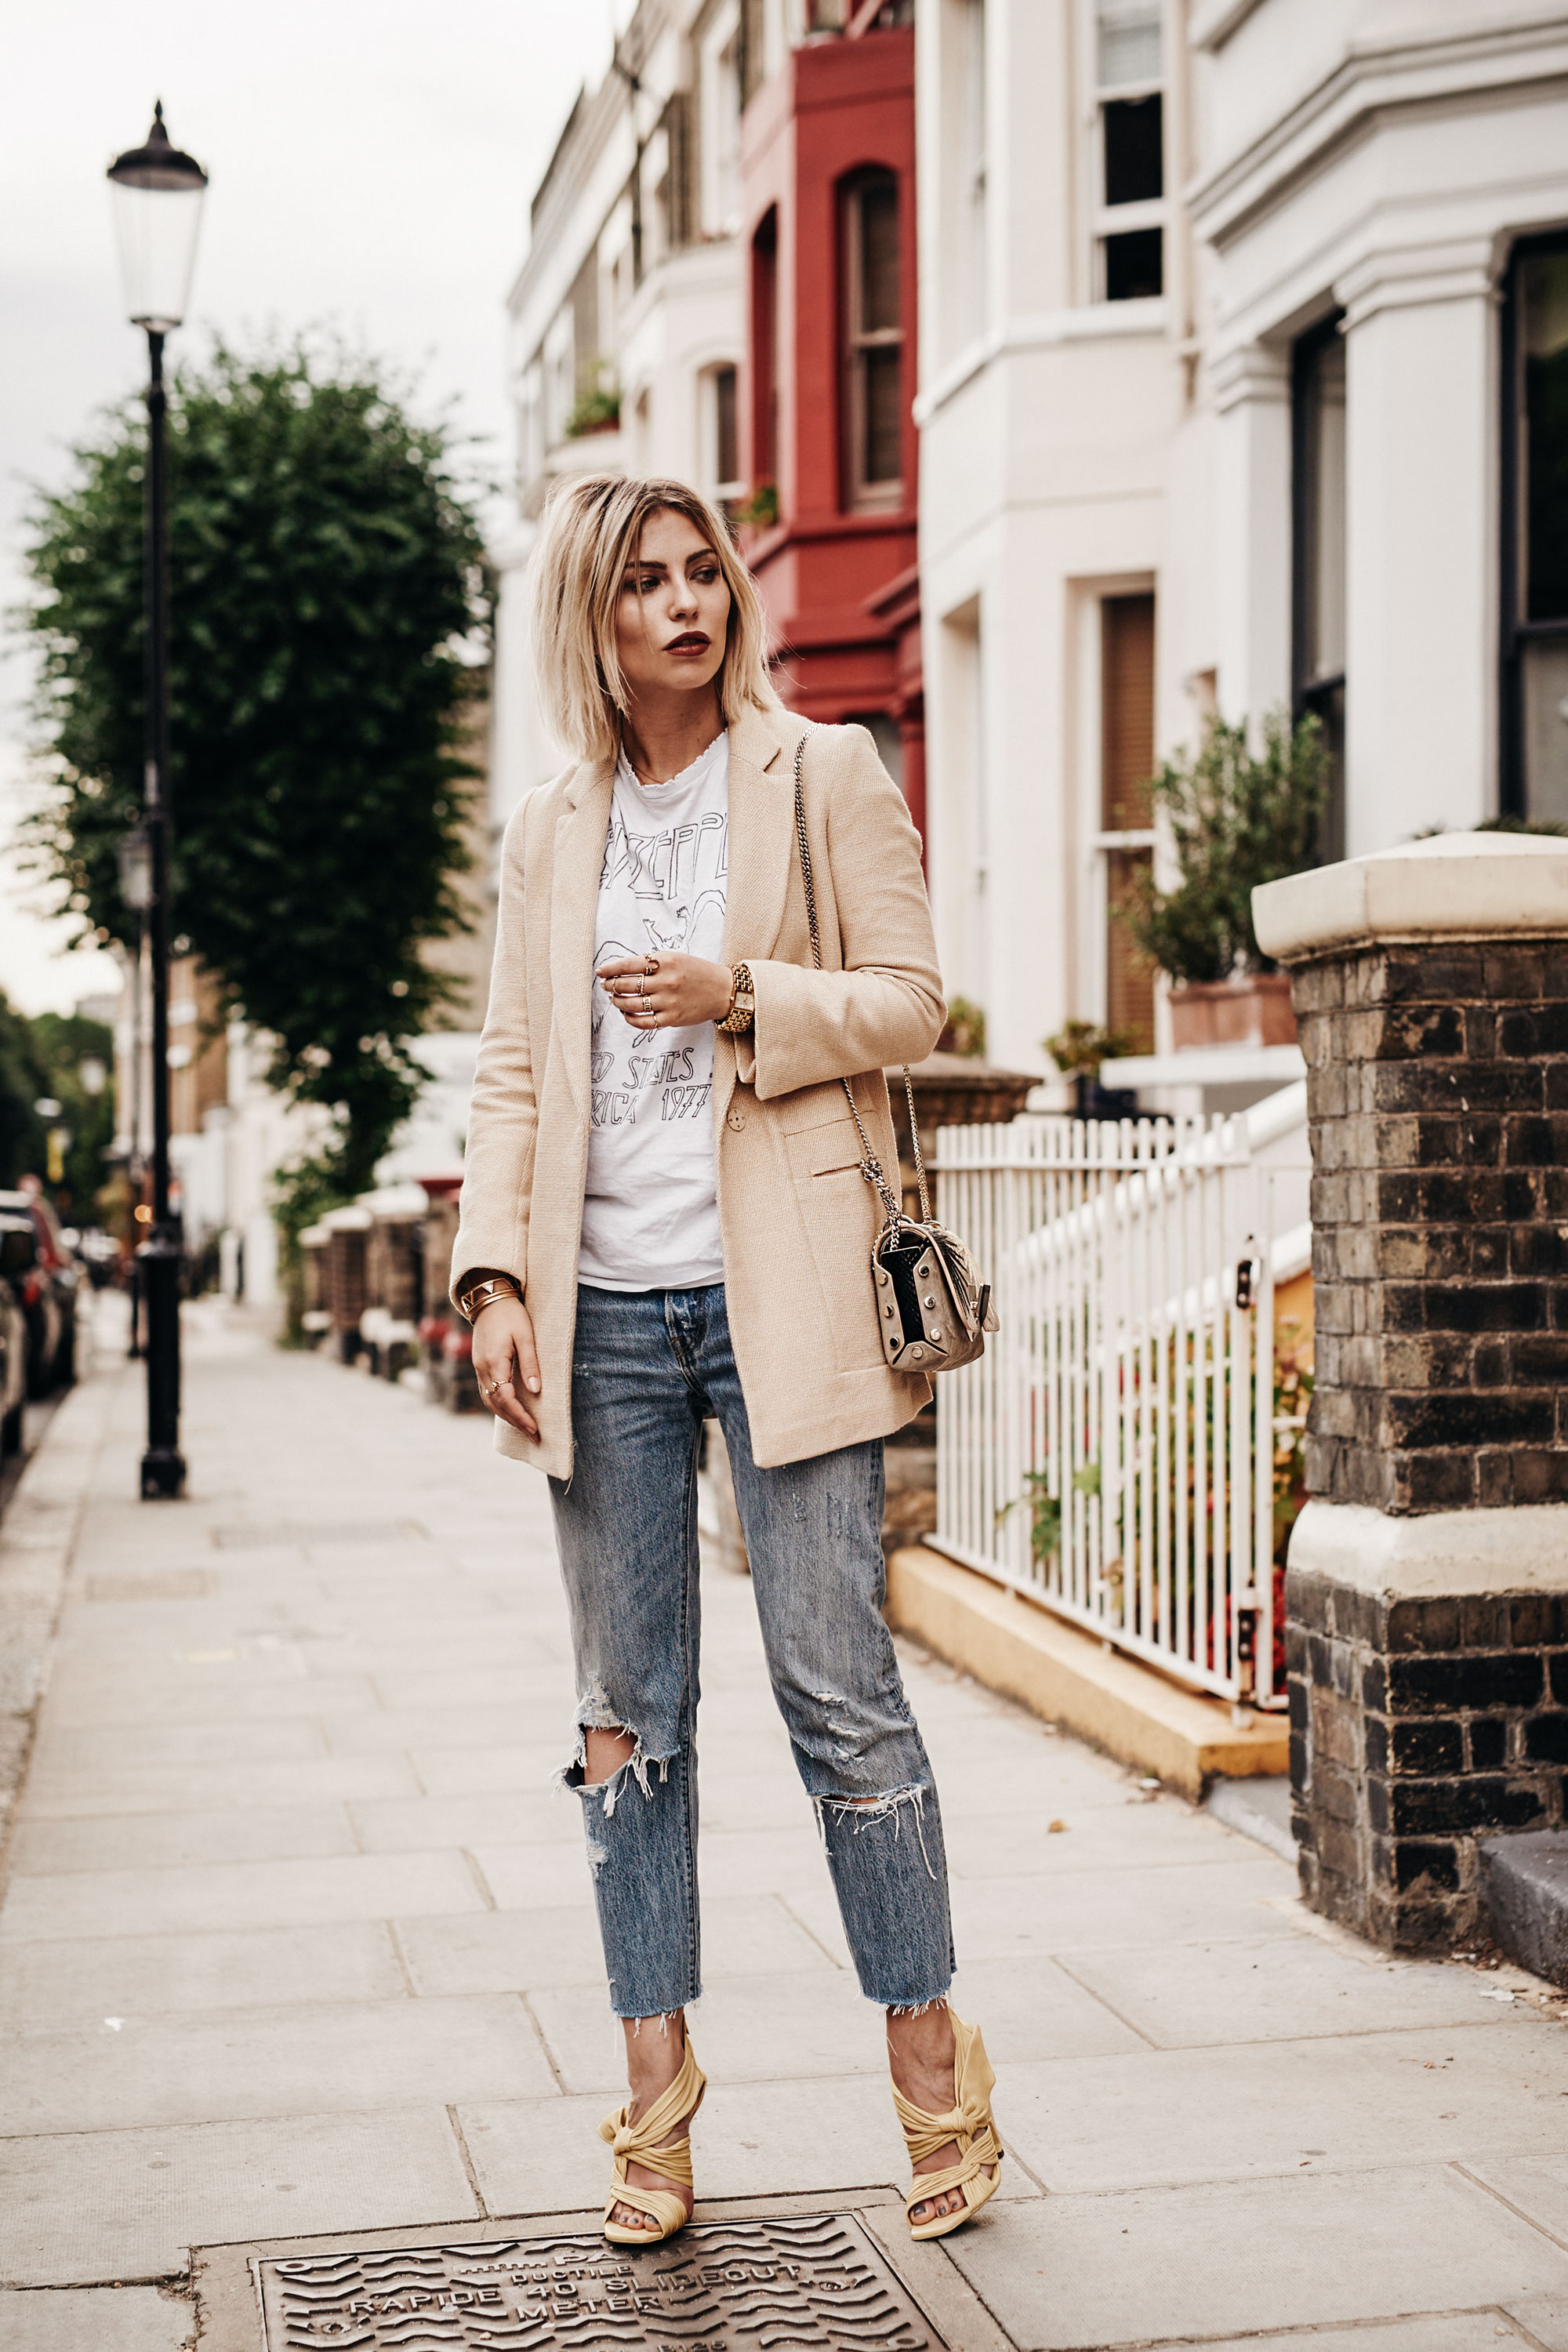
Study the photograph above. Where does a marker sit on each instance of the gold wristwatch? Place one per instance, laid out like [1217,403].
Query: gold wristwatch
[742,1002]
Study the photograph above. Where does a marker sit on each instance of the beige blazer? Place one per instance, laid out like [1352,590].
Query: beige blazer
[797,1217]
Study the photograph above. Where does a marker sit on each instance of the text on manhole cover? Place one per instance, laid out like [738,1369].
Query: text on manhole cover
[811,2280]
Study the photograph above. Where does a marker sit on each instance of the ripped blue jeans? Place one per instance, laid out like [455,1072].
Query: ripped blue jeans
[649,1366]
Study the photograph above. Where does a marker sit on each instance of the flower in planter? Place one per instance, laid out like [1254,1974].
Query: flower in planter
[762,509]
[1235,818]
[597,411]
[964,1030]
[1080,1046]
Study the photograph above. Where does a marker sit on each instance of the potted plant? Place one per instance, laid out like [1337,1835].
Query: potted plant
[597,410]
[1236,818]
[1078,1049]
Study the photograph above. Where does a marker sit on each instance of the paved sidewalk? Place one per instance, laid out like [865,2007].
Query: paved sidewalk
[296,1940]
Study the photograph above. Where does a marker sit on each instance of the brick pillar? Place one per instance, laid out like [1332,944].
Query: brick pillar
[1427,1586]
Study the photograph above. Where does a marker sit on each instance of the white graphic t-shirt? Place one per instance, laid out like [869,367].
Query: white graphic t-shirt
[650,1215]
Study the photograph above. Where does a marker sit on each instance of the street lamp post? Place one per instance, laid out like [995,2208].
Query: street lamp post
[157,197]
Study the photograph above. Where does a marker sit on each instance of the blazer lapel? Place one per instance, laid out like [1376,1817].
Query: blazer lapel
[580,833]
[762,859]
[762,835]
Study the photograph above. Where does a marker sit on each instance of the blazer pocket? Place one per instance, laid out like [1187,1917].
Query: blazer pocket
[824,1150]
[841,1214]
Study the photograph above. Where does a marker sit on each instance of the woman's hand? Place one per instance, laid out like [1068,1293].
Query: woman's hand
[506,1362]
[668,991]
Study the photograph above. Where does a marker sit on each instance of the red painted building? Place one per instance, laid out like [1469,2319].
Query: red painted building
[828,444]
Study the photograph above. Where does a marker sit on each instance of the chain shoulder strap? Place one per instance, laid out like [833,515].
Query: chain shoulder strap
[870,1166]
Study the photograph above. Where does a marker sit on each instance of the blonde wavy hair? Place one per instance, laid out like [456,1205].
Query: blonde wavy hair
[590,531]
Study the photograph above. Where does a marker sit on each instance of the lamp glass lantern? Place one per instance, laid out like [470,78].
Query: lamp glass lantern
[133,854]
[157,195]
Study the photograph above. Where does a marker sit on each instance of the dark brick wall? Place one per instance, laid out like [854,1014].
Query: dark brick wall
[1417,1727]
[1437,1101]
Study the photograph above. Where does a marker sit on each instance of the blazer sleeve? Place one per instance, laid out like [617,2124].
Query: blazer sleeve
[885,1006]
[497,1159]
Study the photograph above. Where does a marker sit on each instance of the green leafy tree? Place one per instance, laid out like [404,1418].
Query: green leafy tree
[23,1139]
[65,1043]
[1237,818]
[329,621]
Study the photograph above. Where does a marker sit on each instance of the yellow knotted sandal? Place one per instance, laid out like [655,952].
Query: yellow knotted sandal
[969,2122]
[639,2143]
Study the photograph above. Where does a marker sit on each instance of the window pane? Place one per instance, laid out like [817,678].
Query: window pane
[1544,307]
[1324,514]
[1544,685]
[1127,712]
[726,445]
[1129,977]
[878,205]
[884,413]
[1135,265]
[1128,46]
[1134,150]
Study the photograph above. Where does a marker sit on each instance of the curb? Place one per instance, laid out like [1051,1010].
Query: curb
[37,1536]
[1071,1679]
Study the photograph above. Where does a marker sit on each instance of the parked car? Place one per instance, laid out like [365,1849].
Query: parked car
[12,1364]
[47,1282]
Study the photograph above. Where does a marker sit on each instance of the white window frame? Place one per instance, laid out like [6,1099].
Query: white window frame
[1116,220]
[719,131]
[707,427]
[558,359]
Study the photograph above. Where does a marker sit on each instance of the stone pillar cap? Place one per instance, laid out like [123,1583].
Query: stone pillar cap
[1450,886]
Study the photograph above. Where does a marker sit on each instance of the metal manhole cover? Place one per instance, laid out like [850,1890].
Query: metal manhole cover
[813,2280]
[326,1531]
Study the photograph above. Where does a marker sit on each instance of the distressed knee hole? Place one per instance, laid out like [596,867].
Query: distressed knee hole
[603,1753]
[892,1807]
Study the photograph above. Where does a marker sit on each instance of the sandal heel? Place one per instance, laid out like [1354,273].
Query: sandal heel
[969,2123]
[639,2143]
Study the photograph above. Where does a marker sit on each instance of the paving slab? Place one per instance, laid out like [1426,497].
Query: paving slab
[524,1950]
[259,1894]
[1447,2093]
[1243,2257]
[1125,1836]
[417,1825]
[751,2139]
[1278,1988]
[96,2319]
[1533,2181]
[218,2065]
[482,1769]
[188,1746]
[165,1841]
[1486,2330]
[1545,2320]
[242,1700]
[130,2205]
[88,1978]
[54,1795]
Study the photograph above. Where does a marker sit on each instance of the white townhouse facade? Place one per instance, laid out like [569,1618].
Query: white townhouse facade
[1244,379]
[631,292]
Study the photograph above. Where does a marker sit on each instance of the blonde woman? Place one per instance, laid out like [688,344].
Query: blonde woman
[664,1218]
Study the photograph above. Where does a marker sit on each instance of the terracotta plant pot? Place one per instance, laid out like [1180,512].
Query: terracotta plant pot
[1255,1010]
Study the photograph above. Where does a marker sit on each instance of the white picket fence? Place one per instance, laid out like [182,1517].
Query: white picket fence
[1113,1453]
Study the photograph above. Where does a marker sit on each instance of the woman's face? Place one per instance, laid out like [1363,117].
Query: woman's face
[673,610]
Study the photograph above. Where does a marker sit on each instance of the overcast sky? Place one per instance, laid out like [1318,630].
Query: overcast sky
[371,163]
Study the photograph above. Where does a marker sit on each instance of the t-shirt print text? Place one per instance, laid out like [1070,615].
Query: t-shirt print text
[673,881]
